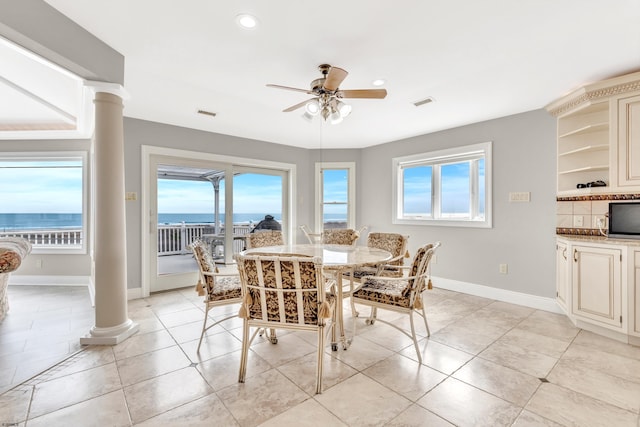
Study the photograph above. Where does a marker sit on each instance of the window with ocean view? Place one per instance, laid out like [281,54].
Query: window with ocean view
[44,200]
[447,187]
[335,192]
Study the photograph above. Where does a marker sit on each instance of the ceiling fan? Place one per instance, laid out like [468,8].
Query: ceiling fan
[328,96]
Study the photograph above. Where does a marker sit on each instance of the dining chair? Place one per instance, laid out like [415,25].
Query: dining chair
[311,236]
[284,292]
[260,239]
[340,236]
[394,243]
[217,288]
[263,238]
[399,294]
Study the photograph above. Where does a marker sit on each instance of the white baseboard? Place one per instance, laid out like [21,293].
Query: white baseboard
[134,293]
[49,280]
[533,301]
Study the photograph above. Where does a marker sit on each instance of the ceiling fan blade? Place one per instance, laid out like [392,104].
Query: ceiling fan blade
[291,88]
[295,107]
[334,78]
[363,93]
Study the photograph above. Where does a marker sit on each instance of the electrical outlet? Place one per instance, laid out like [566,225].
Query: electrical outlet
[434,260]
[504,268]
[578,220]
[39,263]
[131,196]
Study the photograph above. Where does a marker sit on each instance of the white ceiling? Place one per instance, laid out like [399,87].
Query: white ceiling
[478,59]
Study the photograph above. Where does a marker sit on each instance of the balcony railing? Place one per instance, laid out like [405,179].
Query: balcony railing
[173,239]
[48,238]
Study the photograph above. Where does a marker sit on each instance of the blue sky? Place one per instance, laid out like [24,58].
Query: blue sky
[33,188]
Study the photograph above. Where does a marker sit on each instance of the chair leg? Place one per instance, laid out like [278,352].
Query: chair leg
[413,335]
[372,316]
[426,324]
[204,327]
[319,367]
[245,352]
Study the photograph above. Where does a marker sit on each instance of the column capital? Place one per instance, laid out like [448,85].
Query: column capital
[112,88]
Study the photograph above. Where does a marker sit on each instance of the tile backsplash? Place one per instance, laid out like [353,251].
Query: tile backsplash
[585,215]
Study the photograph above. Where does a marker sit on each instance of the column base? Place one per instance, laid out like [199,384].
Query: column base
[110,336]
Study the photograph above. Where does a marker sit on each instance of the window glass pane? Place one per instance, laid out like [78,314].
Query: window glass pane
[481,189]
[335,193]
[455,200]
[42,195]
[416,185]
[335,185]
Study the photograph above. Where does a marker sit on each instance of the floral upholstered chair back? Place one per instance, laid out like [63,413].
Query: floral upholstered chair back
[282,290]
[260,239]
[216,287]
[340,236]
[419,268]
[394,243]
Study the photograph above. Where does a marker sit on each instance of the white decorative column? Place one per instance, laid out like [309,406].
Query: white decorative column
[112,322]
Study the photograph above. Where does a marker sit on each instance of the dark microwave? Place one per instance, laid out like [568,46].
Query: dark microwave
[624,220]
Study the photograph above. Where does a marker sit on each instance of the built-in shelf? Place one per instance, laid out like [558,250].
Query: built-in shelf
[594,127]
[587,149]
[585,169]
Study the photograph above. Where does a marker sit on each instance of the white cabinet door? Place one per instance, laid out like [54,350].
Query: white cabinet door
[596,285]
[634,293]
[628,143]
[562,275]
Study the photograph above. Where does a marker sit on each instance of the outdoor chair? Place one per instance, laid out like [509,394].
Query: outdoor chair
[284,292]
[394,243]
[399,294]
[217,288]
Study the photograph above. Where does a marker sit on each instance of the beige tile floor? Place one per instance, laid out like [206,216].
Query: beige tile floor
[486,363]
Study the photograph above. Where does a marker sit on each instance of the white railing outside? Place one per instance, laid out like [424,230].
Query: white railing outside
[47,238]
[173,239]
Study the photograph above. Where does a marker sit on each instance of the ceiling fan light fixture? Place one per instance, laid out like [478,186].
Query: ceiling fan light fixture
[312,107]
[343,109]
[246,21]
[308,117]
[335,117]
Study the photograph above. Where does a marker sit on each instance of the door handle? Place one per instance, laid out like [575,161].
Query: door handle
[564,253]
[575,255]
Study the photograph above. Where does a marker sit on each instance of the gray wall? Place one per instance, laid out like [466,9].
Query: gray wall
[523,234]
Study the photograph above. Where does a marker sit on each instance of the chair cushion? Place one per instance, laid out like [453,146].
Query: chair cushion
[261,239]
[391,242]
[390,292]
[224,288]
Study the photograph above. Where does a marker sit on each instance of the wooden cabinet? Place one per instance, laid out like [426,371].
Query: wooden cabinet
[597,285]
[626,135]
[599,137]
[562,275]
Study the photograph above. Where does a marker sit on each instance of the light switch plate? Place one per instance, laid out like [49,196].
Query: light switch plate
[521,196]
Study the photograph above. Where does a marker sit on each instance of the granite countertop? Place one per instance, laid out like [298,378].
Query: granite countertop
[600,239]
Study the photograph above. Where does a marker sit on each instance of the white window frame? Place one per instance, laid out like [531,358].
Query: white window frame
[437,159]
[350,167]
[61,155]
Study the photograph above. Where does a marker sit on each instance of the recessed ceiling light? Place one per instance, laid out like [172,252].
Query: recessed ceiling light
[378,82]
[247,21]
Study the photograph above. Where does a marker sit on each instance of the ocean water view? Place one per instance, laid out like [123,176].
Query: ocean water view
[38,221]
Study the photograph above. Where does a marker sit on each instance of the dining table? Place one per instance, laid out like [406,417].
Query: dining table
[336,259]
